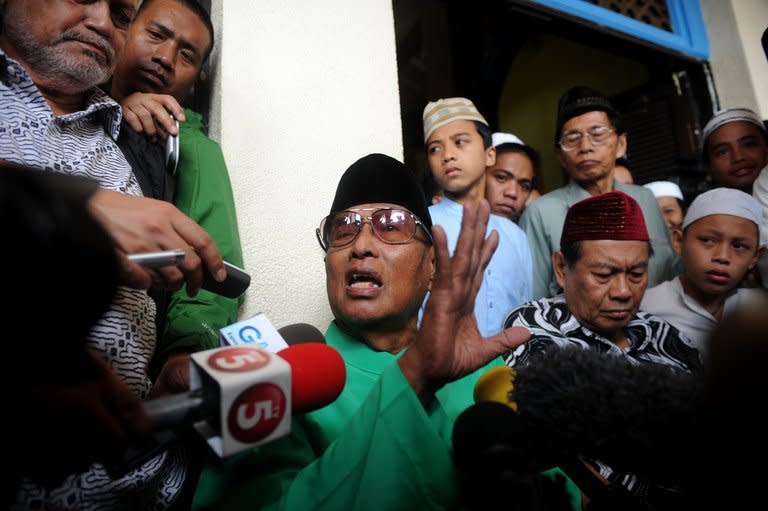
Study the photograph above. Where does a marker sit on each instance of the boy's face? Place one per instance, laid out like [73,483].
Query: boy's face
[458,158]
[508,183]
[717,252]
[737,153]
[673,213]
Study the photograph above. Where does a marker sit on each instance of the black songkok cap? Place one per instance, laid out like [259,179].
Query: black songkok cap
[579,100]
[380,178]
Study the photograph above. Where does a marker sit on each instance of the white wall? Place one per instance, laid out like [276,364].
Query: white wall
[751,20]
[303,89]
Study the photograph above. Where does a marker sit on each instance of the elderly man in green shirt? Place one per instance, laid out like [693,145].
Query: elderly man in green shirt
[385,442]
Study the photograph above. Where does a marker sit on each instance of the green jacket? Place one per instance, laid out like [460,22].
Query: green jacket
[204,193]
[375,447]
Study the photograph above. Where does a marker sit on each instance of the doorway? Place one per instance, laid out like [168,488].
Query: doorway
[514,61]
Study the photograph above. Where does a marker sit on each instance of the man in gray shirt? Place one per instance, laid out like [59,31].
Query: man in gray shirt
[589,138]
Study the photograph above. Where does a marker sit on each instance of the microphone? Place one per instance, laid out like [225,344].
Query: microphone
[319,372]
[317,378]
[639,418]
[299,333]
[259,331]
[245,389]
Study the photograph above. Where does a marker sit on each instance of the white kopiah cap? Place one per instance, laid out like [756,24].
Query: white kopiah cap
[729,115]
[724,201]
[499,138]
[665,189]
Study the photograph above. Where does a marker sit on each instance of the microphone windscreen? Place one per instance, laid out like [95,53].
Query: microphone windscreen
[491,438]
[318,375]
[299,333]
[575,402]
[605,403]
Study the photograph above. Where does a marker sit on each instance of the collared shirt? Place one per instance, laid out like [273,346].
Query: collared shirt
[543,220]
[670,302]
[507,281]
[82,143]
[651,339]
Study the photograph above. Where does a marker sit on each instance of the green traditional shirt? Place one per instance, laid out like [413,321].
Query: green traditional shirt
[375,447]
[203,193]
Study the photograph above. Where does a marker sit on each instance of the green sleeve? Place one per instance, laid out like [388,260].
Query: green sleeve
[392,455]
[204,193]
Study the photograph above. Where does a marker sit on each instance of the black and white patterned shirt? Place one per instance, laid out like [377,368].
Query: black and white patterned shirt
[650,338]
[83,144]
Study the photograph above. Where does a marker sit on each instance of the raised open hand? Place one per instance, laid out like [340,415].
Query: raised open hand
[449,344]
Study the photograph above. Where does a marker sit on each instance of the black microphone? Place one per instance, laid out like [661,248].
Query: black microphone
[639,418]
[298,333]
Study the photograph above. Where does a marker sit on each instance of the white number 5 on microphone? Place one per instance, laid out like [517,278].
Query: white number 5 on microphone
[255,392]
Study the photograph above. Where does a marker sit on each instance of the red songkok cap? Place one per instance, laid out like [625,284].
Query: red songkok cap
[609,216]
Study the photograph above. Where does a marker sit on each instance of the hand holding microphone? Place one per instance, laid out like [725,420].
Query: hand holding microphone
[315,374]
[243,395]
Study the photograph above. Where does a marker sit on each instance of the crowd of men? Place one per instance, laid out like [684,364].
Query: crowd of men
[425,298]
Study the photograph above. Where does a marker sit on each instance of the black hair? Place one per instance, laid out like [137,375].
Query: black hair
[530,152]
[572,252]
[683,207]
[430,187]
[485,132]
[579,100]
[199,11]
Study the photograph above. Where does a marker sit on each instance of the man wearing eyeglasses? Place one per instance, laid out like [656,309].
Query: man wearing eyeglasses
[385,442]
[589,138]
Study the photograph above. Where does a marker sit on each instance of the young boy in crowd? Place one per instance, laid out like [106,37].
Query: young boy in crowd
[734,148]
[509,181]
[735,154]
[720,243]
[671,202]
[459,149]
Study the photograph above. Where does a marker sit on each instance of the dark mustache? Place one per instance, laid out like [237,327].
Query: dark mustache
[159,71]
[97,40]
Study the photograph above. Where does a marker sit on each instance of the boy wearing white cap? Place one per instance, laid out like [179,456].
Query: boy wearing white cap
[735,154]
[720,243]
[509,181]
[459,149]
[735,148]
[671,202]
